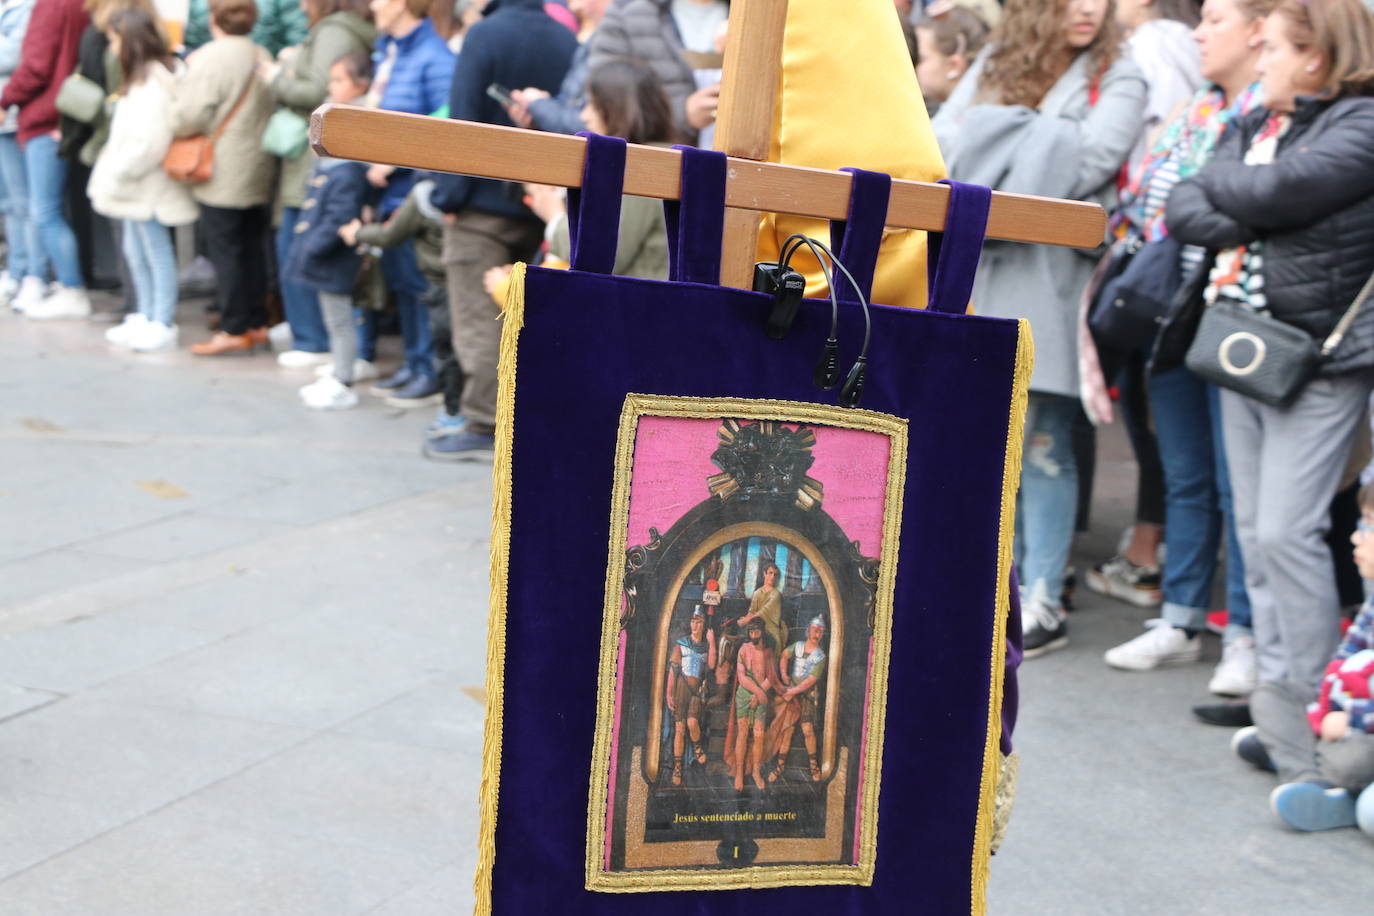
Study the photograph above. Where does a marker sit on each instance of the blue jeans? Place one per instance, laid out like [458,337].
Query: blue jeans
[301,303]
[1048,500]
[25,259]
[47,173]
[1197,501]
[152,261]
[406,283]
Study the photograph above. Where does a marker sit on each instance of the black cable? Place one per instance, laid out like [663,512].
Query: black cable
[827,370]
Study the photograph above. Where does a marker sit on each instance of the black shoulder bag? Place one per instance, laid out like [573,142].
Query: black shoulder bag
[1259,356]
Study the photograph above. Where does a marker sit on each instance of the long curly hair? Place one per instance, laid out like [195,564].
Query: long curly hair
[1030,51]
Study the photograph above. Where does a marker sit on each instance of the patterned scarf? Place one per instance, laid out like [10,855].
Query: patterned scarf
[1184,147]
[1238,273]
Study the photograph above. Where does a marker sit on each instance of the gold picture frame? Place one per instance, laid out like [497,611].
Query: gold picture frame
[860,872]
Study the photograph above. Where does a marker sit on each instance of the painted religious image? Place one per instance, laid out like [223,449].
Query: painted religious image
[744,676]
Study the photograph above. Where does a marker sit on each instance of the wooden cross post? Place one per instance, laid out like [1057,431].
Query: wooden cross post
[753,60]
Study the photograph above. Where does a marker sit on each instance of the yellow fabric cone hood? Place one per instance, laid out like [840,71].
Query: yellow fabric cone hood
[849,97]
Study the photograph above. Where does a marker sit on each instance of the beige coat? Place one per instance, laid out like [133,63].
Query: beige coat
[128,181]
[215,76]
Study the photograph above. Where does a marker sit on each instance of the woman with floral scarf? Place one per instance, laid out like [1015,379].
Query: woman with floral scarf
[1184,408]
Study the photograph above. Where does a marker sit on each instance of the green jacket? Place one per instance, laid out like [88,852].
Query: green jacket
[416,219]
[281,24]
[642,245]
[303,85]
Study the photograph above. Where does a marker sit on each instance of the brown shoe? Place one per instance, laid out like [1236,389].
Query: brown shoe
[258,336]
[220,342]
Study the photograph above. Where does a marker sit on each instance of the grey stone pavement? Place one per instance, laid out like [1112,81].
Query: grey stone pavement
[241,658]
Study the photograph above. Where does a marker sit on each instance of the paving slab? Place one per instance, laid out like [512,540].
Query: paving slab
[176,863]
[397,798]
[133,759]
[83,652]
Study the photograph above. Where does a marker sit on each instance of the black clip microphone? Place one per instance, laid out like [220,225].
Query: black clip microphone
[827,371]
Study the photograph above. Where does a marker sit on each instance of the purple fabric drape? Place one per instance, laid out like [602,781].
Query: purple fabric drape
[588,339]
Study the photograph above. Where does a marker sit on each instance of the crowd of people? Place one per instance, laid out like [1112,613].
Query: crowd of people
[119,122]
[1247,195]
[1229,141]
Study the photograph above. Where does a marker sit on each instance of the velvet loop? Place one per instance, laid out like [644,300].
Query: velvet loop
[856,239]
[596,205]
[953,254]
[696,223]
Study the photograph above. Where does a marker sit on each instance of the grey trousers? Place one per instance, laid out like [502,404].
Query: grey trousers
[473,243]
[1279,711]
[337,310]
[1285,465]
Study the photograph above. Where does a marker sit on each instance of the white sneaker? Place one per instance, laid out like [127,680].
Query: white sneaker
[1120,578]
[9,287]
[31,292]
[66,302]
[153,335]
[1160,645]
[1238,673]
[301,359]
[121,333]
[363,371]
[328,393]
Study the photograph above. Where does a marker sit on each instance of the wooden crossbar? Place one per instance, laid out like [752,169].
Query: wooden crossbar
[513,154]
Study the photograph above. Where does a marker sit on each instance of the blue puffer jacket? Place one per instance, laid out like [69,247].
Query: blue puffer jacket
[335,193]
[418,84]
[515,44]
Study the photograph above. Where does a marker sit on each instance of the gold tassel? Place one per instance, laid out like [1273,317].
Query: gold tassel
[1007,775]
[1011,481]
[513,314]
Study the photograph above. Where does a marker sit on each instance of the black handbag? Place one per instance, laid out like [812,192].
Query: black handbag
[1258,356]
[1130,306]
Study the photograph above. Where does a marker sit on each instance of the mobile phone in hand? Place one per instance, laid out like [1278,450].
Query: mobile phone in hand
[500,94]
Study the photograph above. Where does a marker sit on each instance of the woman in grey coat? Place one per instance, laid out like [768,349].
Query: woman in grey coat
[1049,108]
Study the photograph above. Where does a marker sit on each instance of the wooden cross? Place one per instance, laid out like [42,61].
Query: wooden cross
[753,62]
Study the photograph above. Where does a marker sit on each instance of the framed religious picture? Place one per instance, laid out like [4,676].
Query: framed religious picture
[745,645]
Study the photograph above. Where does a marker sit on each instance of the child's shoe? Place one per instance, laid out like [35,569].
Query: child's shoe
[363,371]
[1246,745]
[31,292]
[328,393]
[1310,806]
[301,359]
[122,333]
[65,302]
[9,287]
[153,335]
[1364,811]
[444,424]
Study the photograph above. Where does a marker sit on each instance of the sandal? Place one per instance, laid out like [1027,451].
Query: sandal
[779,764]
[815,768]
[699,753]
[677,771]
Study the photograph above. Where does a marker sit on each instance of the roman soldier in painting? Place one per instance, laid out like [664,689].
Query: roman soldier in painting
[693,656]
[756,675]
[800,670]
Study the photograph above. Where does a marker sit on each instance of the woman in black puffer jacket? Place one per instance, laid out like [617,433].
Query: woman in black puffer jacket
[1287,209]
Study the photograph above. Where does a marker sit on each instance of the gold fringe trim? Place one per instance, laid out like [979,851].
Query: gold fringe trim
[1007,775]
[1011,480]
[514,317]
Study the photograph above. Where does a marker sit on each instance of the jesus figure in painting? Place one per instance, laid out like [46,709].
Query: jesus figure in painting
[755,680]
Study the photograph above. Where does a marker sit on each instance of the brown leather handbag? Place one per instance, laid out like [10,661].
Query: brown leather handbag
[191,160]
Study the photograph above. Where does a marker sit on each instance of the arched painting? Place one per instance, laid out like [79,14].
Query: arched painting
[745,645]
